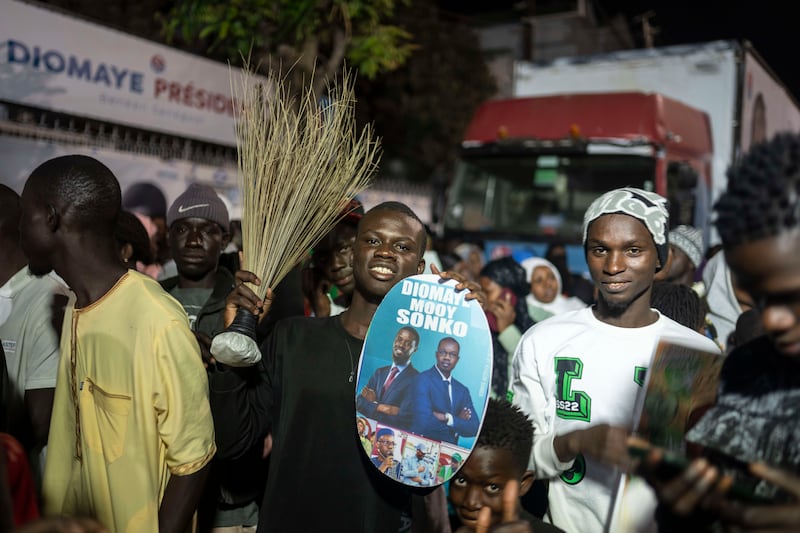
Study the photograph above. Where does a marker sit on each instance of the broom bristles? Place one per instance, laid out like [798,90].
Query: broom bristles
[299,166]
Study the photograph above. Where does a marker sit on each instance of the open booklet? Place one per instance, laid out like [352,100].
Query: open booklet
[680,386]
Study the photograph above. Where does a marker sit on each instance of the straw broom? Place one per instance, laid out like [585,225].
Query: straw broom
[300,163]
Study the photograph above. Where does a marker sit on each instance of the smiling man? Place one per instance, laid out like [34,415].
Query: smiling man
[302,391]
[386,389]
[577,374]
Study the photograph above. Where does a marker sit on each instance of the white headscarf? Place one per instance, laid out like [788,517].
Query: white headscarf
[560,303]
[723,307]
[648,207]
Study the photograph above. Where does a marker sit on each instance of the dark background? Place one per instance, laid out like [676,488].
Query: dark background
[769,25]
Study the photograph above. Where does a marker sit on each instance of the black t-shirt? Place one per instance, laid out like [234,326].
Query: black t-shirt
[320,479]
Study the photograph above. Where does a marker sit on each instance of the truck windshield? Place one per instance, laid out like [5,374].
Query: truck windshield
[539,195]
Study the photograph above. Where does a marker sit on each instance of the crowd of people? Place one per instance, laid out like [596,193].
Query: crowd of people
[117,417]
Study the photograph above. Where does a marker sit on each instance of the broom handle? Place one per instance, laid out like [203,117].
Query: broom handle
[244,323]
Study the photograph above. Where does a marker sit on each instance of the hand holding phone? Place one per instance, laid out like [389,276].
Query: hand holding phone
[507,295]
[502,310]
[668,469]
[658,462]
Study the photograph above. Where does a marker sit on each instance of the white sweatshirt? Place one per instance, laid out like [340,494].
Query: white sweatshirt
[600,373]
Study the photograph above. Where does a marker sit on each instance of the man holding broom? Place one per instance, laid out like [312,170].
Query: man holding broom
[303,388]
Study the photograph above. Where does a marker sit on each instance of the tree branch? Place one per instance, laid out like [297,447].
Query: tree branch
[334,63]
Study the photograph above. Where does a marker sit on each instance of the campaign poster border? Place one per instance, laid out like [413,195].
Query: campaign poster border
[435,310]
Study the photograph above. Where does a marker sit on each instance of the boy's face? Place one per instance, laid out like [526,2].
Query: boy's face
[622,259]
[481,481]
[769,271]
[387,249]
[334,254]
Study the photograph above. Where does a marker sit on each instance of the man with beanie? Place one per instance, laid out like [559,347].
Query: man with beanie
[198,233]
[686,246]
[577,375]
[197,224]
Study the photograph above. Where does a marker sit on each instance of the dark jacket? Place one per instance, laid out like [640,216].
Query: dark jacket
[302,389]
[239,480]
[209,319]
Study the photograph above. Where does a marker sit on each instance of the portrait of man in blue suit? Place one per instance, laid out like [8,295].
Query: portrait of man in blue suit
[382,397]
[442,406]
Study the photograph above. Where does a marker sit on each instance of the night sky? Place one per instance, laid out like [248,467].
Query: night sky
[769,24]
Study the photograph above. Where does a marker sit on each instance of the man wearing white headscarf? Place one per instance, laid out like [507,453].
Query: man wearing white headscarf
[577,375]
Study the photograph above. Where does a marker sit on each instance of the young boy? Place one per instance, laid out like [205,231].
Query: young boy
[496,470]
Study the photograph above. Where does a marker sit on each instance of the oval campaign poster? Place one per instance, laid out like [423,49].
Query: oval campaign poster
[423,381]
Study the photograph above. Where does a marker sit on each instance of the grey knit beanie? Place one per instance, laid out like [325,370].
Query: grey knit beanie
[199,201]
[690,240]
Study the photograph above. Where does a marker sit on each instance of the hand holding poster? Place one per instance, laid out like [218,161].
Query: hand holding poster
[423,380]
[681,384]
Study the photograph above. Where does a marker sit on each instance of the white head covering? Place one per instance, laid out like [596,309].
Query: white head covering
[532,263]
[465,248]
[723,307]
[648,207]
[690,240]
[560,303]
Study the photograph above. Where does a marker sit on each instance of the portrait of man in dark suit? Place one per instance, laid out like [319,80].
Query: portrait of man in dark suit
[381,399]
[442,407]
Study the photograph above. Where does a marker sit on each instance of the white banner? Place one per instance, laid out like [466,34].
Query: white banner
[21,156]
[52,61]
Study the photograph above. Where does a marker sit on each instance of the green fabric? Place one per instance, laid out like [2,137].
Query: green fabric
[210,317]
[509,338]
[537,313]
[192,301]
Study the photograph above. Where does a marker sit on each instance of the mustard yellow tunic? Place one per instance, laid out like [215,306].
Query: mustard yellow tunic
[131,407]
